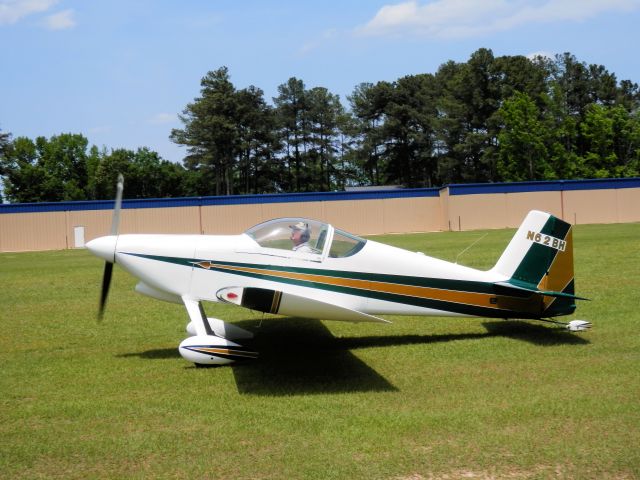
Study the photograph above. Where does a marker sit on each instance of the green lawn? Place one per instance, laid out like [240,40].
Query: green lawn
[420,398]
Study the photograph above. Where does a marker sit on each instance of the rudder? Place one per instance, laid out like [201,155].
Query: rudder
[539,259]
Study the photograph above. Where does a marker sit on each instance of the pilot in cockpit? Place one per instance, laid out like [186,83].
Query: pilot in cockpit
[300,235]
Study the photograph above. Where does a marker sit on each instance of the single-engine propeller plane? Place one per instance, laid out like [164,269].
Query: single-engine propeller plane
[307,268]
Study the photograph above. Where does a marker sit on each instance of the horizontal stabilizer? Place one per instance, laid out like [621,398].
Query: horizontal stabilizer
[519,289]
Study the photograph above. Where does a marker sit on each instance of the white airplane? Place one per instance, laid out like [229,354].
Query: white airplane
[306,268]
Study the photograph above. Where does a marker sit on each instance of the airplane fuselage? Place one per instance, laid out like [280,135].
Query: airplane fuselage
[379,279]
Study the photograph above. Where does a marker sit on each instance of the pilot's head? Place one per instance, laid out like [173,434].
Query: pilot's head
[300,233]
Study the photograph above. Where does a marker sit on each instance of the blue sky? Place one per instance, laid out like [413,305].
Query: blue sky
[119,72]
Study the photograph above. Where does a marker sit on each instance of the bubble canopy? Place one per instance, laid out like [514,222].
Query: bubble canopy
[323,239]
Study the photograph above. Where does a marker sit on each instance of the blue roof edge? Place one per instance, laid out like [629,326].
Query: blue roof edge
[454,189]
[544,186]
[218,200]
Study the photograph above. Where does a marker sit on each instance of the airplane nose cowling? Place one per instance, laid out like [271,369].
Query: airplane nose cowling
[104,247]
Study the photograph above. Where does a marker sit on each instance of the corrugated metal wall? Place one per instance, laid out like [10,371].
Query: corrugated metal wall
[26,227]
[471,207]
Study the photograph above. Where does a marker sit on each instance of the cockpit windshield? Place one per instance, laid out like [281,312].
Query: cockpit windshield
[299,234]
[345,244]
[305,236]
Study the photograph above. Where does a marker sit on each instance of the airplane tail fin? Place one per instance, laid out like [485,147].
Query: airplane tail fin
[539,259]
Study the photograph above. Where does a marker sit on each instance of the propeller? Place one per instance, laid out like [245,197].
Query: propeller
[108,266]
[115,221]
[106,283]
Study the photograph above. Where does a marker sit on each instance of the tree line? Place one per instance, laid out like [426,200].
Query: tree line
[63,167]
[490,119]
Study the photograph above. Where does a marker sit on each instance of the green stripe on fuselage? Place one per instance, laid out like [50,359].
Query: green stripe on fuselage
[436,283]
[440,283]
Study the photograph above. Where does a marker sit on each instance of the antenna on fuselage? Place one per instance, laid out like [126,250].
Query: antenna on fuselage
[469,247]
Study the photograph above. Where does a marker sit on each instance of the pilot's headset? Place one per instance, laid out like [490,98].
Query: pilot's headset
[304,228]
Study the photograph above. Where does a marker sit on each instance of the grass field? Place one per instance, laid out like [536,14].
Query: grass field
[420,398]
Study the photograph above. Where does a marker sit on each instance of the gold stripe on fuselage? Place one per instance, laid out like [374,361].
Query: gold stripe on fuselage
[468,298]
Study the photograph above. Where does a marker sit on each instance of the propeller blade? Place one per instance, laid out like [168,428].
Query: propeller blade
[106,283]
[115,221]
[101,244]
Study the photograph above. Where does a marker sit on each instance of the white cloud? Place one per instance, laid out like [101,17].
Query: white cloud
[60,21]
[470,18]
[12,11]
[163,118]
[542,54]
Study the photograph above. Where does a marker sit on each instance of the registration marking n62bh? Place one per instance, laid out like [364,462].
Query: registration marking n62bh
[546,240]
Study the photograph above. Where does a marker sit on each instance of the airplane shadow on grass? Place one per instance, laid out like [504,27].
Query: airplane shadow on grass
[300,356]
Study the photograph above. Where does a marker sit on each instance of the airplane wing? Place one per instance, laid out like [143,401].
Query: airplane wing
[282,303]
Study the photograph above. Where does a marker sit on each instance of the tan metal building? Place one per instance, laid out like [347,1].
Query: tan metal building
[56,226]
